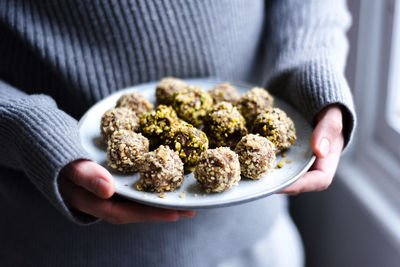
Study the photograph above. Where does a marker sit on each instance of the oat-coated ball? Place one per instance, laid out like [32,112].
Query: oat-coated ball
[218,170]
[192,104]
[125,150]
[225,92]
[256,156]
[166,89]
[253,102]
[224,125]
[161,170]
[157,123]
[136,102]
[188,141]
[277,127]
[118,119]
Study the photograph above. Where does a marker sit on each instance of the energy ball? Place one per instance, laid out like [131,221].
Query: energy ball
[188,141]
[192,104]
[136,102]
[277,127]
[218,170]
[256,156]
[225,126]
[166,89]
[118,119]
[161,170]
[254,102]
[225,92]
[125,150]
[156,124]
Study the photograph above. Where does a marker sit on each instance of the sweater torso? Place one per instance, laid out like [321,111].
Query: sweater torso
[81,51]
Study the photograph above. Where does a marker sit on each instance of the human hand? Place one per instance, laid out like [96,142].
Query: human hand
[88,187]
[327,143]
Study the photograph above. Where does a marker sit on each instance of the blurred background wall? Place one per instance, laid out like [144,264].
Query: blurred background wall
[337,228]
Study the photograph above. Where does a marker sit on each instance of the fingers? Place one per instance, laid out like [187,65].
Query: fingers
[328,129]
[86,186]
[113,211]
[92,177]
[321,174]
[327,143]
[311,181]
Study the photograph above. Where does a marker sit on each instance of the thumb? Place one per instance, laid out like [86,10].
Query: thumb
[329,127]
[91,176]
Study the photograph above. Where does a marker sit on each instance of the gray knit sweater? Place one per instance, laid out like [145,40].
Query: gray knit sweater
[57,58]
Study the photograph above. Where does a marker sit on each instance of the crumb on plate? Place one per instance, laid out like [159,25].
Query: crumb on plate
[280,164]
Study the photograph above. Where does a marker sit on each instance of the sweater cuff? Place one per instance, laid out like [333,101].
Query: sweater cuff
[314,85]
[46,140]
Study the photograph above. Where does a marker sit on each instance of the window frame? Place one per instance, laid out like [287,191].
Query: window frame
[373,151]
[390,135]
[370,169]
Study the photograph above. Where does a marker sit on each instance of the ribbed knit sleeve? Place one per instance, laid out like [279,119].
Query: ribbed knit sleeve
[307,49]
[39,139]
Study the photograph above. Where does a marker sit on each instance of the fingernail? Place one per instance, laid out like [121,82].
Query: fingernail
[186,214]
[102,186]
[324,147]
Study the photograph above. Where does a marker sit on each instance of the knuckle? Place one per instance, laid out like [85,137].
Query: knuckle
[336,127]
[110,215]
[322,188]
[295,192]
[93,184]
[76,172]
[325,184]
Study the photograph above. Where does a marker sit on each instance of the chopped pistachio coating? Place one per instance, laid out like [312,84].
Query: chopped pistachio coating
[125,150]
[166,89]
[218,170]
[161,170]
[118,119]
[157,123]
[192,104]
[221,106]
[254,102]
[188,141]
[225,92]
[277,127]
[136,102]
[256,156]
[225,126]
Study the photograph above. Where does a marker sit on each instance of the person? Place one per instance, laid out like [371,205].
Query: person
[60,57]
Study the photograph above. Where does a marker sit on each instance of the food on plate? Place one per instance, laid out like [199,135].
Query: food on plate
[166,89]
[254,102]
[180,146]
[161,170]
[277,127]
[188,141]
[118,119]
[125,150]
[157,123]
[218,170]
[224,125]
[192,104]
[225,92]
[256,156]
[136,102]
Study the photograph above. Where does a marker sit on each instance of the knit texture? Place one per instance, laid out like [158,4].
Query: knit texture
[57,58]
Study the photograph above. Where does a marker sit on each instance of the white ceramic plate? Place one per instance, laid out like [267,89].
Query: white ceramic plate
[190,195]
